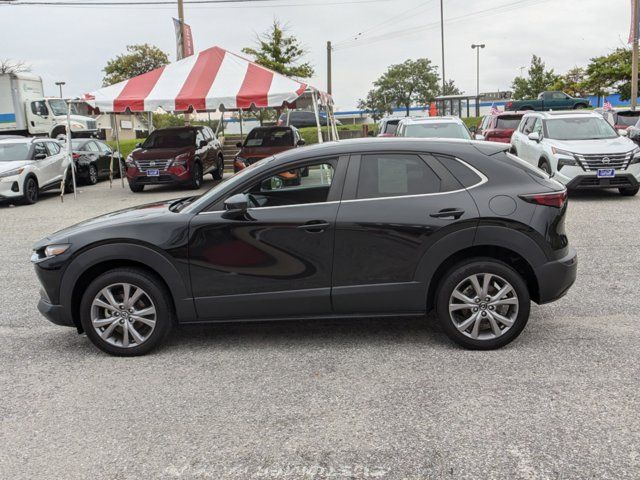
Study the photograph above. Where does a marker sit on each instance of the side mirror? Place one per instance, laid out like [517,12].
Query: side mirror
[479,137]
[40,156]
[473,129]
[301,142]
[138,145]
[236,206]
[623,133]
[534,136]
[239,144]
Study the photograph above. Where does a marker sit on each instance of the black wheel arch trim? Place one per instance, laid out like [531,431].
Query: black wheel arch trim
[124,252]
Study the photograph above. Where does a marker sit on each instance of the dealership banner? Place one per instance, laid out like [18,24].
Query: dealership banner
[184,39]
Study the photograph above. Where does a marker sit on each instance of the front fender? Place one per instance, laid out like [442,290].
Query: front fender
[135,253]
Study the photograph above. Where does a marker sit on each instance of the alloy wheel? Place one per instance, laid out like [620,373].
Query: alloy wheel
[93,175]
[483,306]
[31,191]
[123,315]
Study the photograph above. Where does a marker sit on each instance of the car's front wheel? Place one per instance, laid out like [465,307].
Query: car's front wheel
[126,312]
[629,192]
[196,177]
[219,171]
[30,190]
[482,304]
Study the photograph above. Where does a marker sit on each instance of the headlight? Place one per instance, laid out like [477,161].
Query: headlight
[558,151]
[11,173]
[129,161]
[49,251]
[635,156]
[181,159]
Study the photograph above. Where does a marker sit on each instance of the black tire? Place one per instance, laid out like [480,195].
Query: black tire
[218,172]
[68,183]
[579,106]
[135,188]
[196,177]
[545,167]
[153,288]
[92,175]
[629,191]
[458,274]
[31,191]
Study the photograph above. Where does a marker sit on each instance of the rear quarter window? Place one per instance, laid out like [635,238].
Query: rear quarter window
[465,175]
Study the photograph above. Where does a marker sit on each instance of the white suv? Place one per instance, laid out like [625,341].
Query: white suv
[30,165]
[433,127]
[579,149]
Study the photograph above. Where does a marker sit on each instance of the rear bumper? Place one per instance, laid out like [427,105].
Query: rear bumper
[556,277]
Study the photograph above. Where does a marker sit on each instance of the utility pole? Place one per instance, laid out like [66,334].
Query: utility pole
[634,58]
[442,42]
[329,67]
[477,48]
[60,84]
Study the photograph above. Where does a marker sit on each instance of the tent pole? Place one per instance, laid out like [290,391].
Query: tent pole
[315,111]
[119,154]
[69,158]
[150,122]
[111,158]
[241,134]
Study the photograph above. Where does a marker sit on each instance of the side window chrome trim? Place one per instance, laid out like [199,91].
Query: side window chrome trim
[278,206]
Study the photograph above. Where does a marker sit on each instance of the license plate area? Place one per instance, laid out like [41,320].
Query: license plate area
[606,173]
[153,172]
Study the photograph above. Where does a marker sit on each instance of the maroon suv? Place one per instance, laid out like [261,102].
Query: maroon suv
[176,155]
[499,127]
[263,142]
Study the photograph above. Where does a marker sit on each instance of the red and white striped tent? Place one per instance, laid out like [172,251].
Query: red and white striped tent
[214,79]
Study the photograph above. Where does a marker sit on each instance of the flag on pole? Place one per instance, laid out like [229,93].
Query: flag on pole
[607,106]
[494,109]
[184,39]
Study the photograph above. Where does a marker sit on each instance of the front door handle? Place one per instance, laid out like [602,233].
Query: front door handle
[315,226]
[453,213]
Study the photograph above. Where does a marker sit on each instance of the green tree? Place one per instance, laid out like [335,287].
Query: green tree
[449,89]
[139,59]
[572,82]
[280,52]
[610,72]
[375,104]
[413,82]
[538,80]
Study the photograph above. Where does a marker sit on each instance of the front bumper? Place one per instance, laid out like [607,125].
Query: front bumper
[591,182]
[556,277]
[10,187]
[55,313]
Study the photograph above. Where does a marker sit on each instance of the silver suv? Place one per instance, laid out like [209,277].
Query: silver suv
[579,149]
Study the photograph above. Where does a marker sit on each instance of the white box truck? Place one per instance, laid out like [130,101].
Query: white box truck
[24,110]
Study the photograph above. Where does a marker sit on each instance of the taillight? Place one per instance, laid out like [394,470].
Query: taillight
[553,199]
[75,156]
[508,104]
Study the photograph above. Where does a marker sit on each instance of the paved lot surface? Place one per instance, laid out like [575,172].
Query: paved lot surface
[390,399]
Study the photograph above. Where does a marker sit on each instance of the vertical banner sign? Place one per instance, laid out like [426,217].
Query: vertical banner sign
[184,39]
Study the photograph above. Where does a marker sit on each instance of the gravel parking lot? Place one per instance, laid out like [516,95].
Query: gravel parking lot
[392,398]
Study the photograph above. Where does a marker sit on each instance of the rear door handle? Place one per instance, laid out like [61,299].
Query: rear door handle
[315,226]
[453,213]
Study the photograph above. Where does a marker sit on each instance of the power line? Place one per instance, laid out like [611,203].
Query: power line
[142,3]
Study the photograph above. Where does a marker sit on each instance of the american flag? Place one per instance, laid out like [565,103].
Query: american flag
[494,109]
[607,105]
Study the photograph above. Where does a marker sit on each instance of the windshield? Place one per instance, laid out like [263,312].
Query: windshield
[269,137]
[628,119]
[10,152]
[437,130]
[587,128]
[170,139]
[228,183]
[508,123]
[59,107]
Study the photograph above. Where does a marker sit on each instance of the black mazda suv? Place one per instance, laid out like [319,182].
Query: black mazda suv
[377,227]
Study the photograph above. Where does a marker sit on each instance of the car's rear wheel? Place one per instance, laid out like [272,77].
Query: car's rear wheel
[93,175]
[126,312]
[136,188]
[219,171]
[196,177]
[482,304]
[30,190]
[629,191]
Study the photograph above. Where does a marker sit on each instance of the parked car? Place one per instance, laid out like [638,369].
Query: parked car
[548,101]
[433,127]
[580,150]
[498,127]
[388,127]
[302,119]
[29,166]
[620,119]
[175,155]
[94,160]
[263,142]
[379,227]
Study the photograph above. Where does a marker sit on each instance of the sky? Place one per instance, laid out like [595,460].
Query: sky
[73,44]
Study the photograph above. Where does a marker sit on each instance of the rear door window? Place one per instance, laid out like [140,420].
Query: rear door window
[53,148]
[39,148]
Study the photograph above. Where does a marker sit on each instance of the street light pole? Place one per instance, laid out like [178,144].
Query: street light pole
[477,48]
[60,84]
[444,78]
[634,57]
[329,49]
